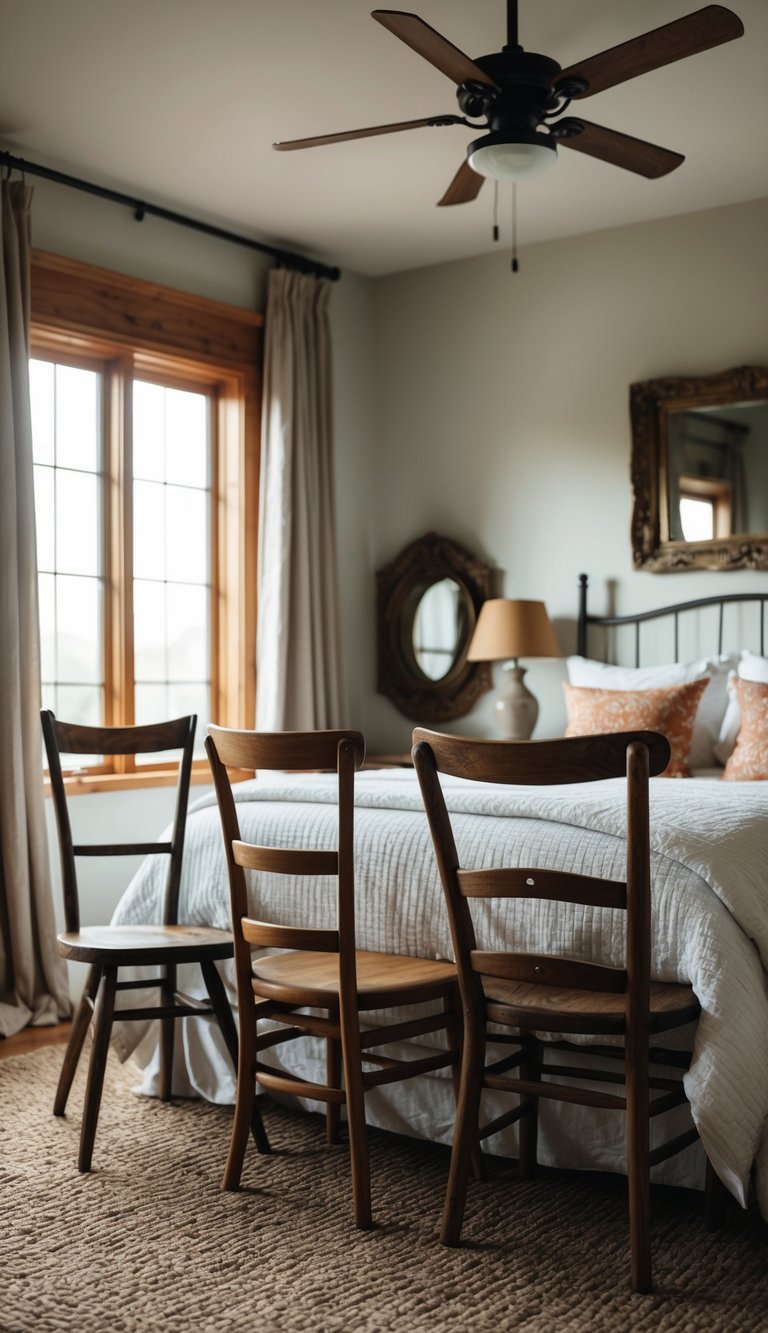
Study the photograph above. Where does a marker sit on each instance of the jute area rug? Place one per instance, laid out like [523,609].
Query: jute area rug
[148,1242]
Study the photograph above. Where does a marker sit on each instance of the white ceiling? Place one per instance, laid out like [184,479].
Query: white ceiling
[179,101]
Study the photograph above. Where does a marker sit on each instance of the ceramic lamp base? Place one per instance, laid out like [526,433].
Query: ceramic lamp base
[515,709]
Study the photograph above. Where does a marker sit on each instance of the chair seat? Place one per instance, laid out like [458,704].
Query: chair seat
[564,1009]
[116,945]
[382,978]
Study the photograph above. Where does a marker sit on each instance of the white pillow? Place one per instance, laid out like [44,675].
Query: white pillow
[750,667]
[707,730]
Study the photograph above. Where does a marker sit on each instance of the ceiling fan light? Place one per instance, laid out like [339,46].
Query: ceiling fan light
[506,159]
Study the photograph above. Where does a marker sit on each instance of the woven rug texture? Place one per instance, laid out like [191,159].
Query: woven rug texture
[149,1243]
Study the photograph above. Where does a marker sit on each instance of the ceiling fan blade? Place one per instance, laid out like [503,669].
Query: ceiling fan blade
[622,150]
[464,187]
[368,133]
[430,44]
[687,36]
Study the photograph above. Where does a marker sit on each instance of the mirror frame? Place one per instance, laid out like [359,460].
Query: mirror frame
[400,586]
[650,405]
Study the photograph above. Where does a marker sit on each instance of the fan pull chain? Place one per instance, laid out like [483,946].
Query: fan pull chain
[495,210]
[515,265]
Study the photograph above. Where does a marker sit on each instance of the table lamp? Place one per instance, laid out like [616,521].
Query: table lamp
[507,630]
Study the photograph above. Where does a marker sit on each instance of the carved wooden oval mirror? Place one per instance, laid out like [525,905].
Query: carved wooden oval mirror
[428,602]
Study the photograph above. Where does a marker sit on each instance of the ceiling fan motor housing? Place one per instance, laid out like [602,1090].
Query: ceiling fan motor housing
[523,94]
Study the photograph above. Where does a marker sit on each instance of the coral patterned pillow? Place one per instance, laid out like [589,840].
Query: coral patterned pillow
[672,711]
[749,761]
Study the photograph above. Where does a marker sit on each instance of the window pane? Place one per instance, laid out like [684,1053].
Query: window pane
[151,704]
[187,548]
[78,603]
[148,431]
[77,526]
[192,697]
[41,395]
[148,530]
[46,593]
[82,704]
[45,518]
[186,438]
[67,437]
[697,518]
[149,631]
[77,418]
[188,636]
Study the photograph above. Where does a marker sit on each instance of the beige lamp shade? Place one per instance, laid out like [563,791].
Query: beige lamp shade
[511,629]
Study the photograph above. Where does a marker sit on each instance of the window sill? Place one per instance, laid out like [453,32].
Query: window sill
[84,784]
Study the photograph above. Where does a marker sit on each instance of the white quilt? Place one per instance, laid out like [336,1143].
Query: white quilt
[710,925]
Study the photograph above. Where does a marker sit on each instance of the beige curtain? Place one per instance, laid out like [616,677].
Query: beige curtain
[298,659]
[33,978]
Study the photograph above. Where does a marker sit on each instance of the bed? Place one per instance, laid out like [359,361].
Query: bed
[710,914]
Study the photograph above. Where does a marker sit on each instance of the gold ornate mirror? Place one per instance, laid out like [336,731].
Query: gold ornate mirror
[700,471]
[428,602]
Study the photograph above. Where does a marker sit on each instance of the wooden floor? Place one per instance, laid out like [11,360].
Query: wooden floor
[31,1039]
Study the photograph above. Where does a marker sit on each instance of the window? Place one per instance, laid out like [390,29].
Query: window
[705,508]
[145,454]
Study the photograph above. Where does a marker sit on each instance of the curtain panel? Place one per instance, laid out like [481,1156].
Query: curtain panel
[299,684]
[33,977]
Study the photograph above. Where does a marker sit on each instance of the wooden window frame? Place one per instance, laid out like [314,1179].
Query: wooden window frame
[137,328]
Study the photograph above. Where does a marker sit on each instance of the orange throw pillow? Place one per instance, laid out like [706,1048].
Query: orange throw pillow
[672,711]
[749,761]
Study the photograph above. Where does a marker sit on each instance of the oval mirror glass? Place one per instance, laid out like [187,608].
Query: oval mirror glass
[440,628]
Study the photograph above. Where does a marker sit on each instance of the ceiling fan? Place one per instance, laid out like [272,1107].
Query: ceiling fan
[518,98]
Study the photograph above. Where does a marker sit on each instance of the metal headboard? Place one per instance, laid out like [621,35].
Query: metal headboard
[585,619]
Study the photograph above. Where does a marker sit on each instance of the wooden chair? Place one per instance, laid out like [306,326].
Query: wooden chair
[108,948]
[322,968]
[547,993]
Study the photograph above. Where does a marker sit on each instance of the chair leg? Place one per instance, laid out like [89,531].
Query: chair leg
[80,1024]
[454,1029]
[333,1080]
[105,1008]
[167,1034]
[241,1125]
[465,1135]
[352,1057]
[638,1171]
[715,1200]
[221,1007]
[530,1069]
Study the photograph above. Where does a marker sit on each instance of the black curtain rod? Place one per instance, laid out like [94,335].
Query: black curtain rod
[140,209]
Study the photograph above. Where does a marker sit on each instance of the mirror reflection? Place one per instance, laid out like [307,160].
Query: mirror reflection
[440,628]
[717,473]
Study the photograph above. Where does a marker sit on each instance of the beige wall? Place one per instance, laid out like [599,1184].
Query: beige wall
[502,406]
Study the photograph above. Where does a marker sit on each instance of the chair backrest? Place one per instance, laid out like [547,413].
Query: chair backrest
[341,752]
[72,738]
[579,759]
